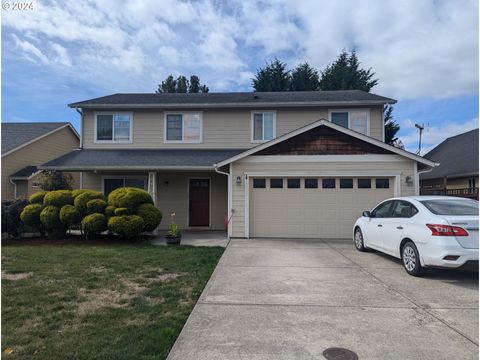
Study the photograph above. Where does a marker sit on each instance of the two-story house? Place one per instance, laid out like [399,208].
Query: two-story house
[282,164]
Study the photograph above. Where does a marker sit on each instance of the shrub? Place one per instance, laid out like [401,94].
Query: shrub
[82,200]
[96,206]
[110,210]
[58,198]
[30,215]
[77,192]
[129,198]
[94,223]
[37,198]
[126,226]
[54,180]
[11,223]
[151,216]
[70,216]
[50,218]
[121,211]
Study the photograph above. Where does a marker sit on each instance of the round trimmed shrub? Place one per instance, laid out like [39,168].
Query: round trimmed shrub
[30,215]
[37,198]
[96,206]
[126,226]
[94,223]
[121,211]
[70,216]
[129,198]
[58,198]
[110,210]
[151,216]
[50,217]
[82,200]
[77,192]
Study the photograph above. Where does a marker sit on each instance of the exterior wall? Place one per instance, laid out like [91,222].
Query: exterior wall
[221,128]
[460,183]
[172,195]
[37,153]
[401,166]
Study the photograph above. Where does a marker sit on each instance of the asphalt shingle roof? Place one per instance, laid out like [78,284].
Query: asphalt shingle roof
[25,172]
[235,98]
[140,158]
[457,155]
[17,134]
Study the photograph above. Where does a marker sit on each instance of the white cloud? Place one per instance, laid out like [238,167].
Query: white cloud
[62,55]
[29,50]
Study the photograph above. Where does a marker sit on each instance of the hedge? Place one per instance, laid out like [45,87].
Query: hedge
[96,206]
[70,216]
[151,216]
[94,223]
[126,226]
[129,198]
[30,215]
[82,200]
[58,198]
[37,198]
[121,211]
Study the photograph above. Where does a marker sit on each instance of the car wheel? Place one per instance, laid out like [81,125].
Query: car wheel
[411,260]
[358,240]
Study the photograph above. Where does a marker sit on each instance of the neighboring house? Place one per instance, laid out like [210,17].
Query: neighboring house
[25,146]
[457,174]
[283,164]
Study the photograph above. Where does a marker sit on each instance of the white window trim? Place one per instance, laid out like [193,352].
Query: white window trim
[108,177]
[130,141]
[165,141]
[253,141]
[330,111]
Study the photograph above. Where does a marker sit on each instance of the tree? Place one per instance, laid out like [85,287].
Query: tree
[182,85]
[345,74]
[168,85]
[304,78]
[391,126]
[273,77]
[195,86]
[50,180]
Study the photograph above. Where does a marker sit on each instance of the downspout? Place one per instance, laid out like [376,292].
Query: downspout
[425,171]
[14,187]
[229,195]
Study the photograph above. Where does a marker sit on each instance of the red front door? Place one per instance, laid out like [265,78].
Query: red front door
[199,202]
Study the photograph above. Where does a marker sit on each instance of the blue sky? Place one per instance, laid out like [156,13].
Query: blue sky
[425,53]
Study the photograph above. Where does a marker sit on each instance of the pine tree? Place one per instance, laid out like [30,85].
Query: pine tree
[304,78]
[181,84]
[391,126]
[273,77]
[168,85]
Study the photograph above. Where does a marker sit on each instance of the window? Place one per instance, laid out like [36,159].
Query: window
[183,128]
[110,184]
[403,209]
[452,207]
[356,120]
[311,183]
[259,183]
[293,183]
[383,210]
[346,183]
[471,183]
[263,126]
[364,183]
[328,183]
[382,183]
[113,128]
[276,183]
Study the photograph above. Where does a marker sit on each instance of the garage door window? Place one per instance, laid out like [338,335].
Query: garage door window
[259,183]
[346,183]
[276,183]
[364,183]
[382,183]
[311,183]
[293,183]
[328,183]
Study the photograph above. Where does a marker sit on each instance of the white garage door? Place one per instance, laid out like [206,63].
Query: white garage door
[312,207]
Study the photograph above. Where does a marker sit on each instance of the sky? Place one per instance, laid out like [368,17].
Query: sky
[424,53]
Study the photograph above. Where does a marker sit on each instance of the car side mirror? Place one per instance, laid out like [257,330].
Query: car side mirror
[366,214]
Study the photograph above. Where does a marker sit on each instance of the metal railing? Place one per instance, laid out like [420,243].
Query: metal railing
[471,193]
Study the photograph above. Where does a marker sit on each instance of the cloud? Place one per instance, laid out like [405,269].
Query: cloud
[29,49]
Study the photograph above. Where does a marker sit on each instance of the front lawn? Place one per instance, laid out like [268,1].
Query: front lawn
[99,302]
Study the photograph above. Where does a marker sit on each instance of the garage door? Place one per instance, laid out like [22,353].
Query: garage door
[312,207]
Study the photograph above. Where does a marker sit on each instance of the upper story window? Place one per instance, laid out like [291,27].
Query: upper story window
[113,127]
[263,126]
[183,127]
[356,120]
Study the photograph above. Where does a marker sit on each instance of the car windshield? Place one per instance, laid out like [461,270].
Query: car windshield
[452,207]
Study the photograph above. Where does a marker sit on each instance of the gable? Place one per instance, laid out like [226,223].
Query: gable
[323,140]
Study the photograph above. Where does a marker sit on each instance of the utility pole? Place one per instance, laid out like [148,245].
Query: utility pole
[420,128]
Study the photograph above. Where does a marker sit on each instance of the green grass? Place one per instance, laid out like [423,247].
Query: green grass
[99,302]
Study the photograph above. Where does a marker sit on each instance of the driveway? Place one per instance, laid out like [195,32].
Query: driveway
[292,299]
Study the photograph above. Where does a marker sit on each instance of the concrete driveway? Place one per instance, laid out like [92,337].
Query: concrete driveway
[292,299]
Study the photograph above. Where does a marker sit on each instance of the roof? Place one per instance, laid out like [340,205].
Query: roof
[25,173]
[141,159]
[331,125]
[16,135]
[235,99]
[458,156]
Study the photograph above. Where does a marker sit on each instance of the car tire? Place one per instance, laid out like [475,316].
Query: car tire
[411,259]
[358,240]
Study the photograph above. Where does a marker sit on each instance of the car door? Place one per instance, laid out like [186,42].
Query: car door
[396,225]
[374,227]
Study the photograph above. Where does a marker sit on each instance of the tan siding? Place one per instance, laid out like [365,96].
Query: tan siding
[37,153]
[221,128]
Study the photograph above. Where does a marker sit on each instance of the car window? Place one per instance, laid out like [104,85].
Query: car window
[452,207]
[403,209]
[383,210]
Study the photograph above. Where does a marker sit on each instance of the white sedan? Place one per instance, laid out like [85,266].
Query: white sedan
[423,231]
